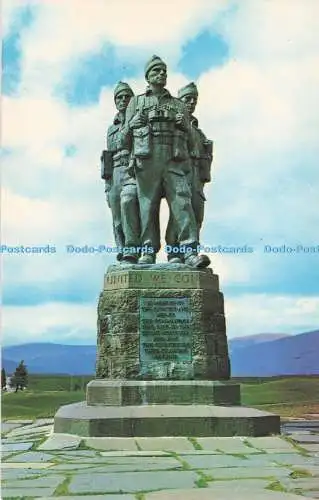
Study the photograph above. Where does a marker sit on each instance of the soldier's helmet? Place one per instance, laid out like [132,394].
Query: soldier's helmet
[189,89]
[120,86]
[154,61]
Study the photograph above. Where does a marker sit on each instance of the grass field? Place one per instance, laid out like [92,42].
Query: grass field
[288,397]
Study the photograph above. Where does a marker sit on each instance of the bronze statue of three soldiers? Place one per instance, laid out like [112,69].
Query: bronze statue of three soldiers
[154,150]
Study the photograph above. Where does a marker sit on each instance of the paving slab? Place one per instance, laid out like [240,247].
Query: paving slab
[131,482]
[92,497]
[175,444]
[19,422]
[246,472]
[8,426]
[271,443]
[214,461]
[305,438]
[312,494]
[226,494]
[139,464]
[238,486]
[312,469]
[112,444]
[311,448]
[60,442]
[77,454]
[31,456]
[280,458]
[71,467]
[28,431]
[25,438]
[139,453]
[161,461]
[6,454]
[40,482]
[23,465]
[42,421]
[305,483]
[22,493]
[11,474]
[16,446]
[226,444]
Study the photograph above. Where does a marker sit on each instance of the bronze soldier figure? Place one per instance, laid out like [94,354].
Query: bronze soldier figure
[114,165]
[160,132]
[201,158]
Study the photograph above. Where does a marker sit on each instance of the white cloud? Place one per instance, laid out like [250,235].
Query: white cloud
[271,31]
[260,313]
[75,323]
[59,36]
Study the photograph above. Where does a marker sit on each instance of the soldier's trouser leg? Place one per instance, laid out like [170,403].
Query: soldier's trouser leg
[171,238]
[198,200]
[115,204]
[130,214]
[178,195]
[149,187]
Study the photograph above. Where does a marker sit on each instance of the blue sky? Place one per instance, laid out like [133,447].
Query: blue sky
[255,71]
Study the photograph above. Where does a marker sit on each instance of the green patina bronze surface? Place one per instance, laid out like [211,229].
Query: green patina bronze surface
[155,150]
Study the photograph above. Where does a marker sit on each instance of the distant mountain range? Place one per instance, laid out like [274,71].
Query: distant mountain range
[51,358]
[264,354]
[275,354]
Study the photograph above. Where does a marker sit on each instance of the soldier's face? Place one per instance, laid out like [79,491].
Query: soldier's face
[122,99]
[190,102]
[157,75]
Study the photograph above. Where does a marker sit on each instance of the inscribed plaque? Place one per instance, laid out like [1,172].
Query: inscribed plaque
[165,330]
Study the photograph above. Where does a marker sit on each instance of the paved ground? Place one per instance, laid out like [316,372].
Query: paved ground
[39,464]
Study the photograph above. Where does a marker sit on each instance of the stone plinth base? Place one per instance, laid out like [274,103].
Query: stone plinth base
[164,420]
[162,392]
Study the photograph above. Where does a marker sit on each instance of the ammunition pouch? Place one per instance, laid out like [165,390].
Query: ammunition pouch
[205,162]
[142,142]
[121,158]
[106,164]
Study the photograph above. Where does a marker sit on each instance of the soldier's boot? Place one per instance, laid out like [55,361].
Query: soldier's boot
[175,259]
[129,258]
[147,258]
[197,261]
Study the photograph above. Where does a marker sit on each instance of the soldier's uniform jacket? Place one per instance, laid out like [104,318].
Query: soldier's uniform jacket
[161,127]
[202,153]
[117,149]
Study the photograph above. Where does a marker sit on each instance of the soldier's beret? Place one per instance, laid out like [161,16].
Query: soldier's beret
[154,61]
[189,89]
[120,86]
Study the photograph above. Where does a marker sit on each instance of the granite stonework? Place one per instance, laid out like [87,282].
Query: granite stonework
[162,324]
[139,392]
[162,361]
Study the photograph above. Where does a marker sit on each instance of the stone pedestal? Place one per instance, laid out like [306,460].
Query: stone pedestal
[162,324]
[160,392]
[162,361]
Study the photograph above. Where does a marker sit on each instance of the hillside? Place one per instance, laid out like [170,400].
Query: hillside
[251,356]
[51,358]
[290,355]
[258,338]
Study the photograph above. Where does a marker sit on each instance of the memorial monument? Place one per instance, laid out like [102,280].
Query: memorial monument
[162,364]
